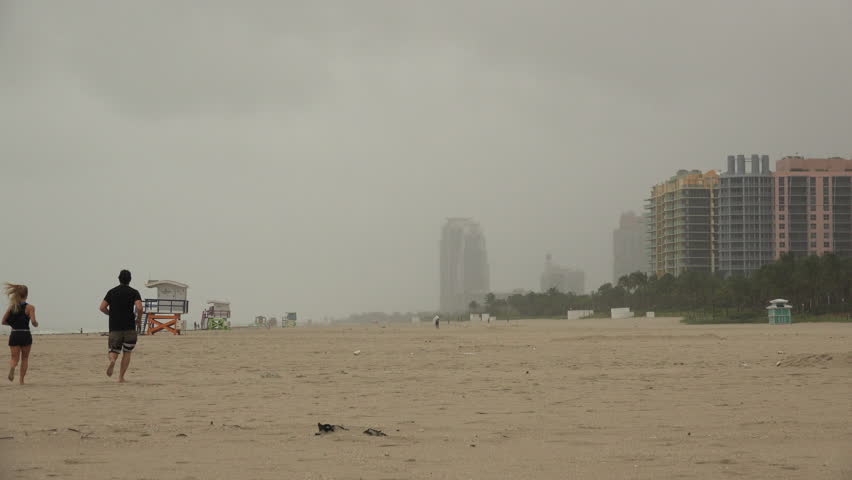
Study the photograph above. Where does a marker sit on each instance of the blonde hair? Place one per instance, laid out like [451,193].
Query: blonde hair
[17,294]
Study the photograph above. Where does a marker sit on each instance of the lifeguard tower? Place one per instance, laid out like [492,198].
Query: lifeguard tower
[288,320]
[780,312]
[164,311]
[216,315]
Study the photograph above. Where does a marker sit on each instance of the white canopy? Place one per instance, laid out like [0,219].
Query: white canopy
[157,283]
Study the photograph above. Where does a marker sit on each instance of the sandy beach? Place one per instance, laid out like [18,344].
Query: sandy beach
[634,398]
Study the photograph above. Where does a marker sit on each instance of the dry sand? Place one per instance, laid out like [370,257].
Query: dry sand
[635,398]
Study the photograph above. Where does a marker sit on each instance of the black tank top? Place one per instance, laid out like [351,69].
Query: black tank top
[19,320]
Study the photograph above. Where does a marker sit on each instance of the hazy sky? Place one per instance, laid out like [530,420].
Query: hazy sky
[303,155]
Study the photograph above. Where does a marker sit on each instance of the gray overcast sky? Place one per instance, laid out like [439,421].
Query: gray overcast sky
[294,155]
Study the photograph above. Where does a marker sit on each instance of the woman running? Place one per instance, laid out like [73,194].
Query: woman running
[18,316]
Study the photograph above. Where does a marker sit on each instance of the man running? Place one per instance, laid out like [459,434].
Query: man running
[123,323]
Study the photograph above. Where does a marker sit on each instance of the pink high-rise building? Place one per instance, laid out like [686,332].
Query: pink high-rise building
[813,206]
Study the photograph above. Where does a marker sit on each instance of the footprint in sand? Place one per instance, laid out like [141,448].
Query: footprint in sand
[805,360]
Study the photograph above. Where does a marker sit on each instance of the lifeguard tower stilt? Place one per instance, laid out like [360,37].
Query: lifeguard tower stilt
[163,313]
[216,315]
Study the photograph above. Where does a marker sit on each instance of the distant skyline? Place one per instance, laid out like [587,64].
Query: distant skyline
[298,156]
[563,278]
[465,271]
[629,249]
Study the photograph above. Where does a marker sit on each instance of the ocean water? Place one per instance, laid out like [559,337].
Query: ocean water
[46,331]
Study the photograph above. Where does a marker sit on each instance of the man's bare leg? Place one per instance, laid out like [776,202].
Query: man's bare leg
[25,356]
[125,362]
[13,363]
[113,356]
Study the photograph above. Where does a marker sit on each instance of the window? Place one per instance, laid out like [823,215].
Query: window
[825,226]
[826,244]
[813,207]
[782,235]
[813,226]
[782,245]
[813,234]
[782,226]
[813,217]
[813,244]
[825,235]
[825,217]
[782,217]
[780,208]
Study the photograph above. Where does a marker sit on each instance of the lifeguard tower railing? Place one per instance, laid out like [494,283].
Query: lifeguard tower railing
[211,312]
[159,305]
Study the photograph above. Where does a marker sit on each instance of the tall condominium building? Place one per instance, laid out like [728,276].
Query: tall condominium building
[561,278]
[679,219]
[628,246]
[464,265]
[744,211]
[813,206]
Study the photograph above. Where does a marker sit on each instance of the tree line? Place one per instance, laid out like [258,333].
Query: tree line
[813,284]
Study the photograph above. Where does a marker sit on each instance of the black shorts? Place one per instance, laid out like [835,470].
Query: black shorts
[21,338]
[122,341]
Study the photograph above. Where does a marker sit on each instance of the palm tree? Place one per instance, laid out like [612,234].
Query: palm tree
[490,300]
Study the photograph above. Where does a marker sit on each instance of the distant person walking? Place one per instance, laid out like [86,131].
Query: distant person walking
[18,316]
[123,322]
[437,321]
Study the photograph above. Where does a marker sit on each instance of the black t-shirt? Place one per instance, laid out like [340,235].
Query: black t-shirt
[121,300]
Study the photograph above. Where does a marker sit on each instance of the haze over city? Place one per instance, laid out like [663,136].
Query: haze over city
[295,156]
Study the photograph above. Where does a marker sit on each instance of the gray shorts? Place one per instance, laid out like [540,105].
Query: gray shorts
[122,341]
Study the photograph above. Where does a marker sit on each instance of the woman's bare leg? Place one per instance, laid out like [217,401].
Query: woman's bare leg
[13,363]
[25,356]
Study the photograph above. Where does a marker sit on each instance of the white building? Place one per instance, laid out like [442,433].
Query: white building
[563,279]
[465,275]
